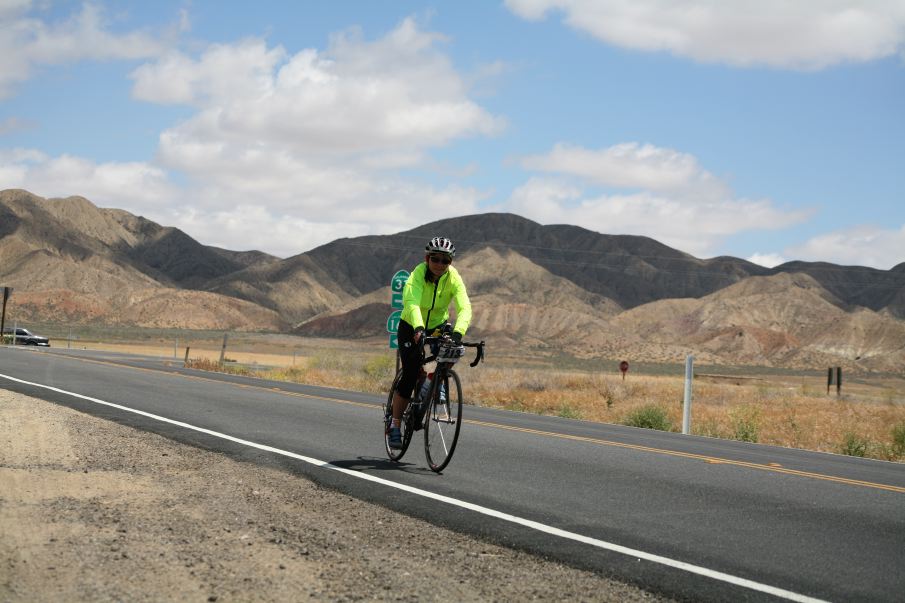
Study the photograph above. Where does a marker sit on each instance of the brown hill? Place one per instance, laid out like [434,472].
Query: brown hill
[70,260]
[158,307]
[555,287]
[512,298]
[783,320]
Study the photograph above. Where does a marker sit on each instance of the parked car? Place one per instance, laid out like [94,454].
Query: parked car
[26,337]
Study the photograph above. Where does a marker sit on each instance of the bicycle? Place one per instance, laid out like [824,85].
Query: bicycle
[439,413]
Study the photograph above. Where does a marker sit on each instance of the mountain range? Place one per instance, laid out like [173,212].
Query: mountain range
[558,288]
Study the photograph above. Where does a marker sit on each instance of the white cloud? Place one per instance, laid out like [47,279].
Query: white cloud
[859,245]
[103,183]
[630,165]
[767,260]
[27,42]
[397,93]
[240,208]
[317,137]
[285,152]
[678,202]
[805,34]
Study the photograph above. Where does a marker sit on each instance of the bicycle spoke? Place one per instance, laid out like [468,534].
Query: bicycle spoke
[444,421]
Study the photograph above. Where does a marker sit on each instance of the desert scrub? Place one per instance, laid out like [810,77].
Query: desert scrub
[334,361]
[534,384]
[650,416]
[293,374]
[898,439]
[380,367]
[203,364]
[745,421]
[568,412]
[708,427]
[854,445]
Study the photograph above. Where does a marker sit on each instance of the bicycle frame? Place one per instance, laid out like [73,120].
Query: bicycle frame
[443,415]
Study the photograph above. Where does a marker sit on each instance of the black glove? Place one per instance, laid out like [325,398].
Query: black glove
[457,338]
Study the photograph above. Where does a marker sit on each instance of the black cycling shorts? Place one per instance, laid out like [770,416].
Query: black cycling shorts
[411,356]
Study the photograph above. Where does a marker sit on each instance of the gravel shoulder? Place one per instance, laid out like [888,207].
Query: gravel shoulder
[93,510]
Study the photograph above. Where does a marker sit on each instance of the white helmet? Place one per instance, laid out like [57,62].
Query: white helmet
[441,245]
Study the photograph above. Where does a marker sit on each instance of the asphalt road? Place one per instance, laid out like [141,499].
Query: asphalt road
[689,517]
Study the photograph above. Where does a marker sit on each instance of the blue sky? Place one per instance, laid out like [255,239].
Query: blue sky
[771,131]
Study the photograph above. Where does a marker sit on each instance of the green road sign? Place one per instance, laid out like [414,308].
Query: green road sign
[397,284]
[393,321]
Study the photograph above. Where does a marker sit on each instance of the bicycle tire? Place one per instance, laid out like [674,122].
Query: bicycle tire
[406,424]
[442,421]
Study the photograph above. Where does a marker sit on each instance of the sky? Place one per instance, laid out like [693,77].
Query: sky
[770,130]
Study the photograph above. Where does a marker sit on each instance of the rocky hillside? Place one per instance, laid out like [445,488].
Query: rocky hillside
[69,260]
[556,287]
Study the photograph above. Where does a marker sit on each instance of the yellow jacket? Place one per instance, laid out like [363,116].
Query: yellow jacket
[423,301]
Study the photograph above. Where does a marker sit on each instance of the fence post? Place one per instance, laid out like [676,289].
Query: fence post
[838,380]
[223,349]
[6,292]
[186,361]
[686,411]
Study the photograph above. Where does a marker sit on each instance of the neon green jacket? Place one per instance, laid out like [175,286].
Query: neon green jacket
[420,296]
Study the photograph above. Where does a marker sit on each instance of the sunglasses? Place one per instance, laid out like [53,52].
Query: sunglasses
[441,259]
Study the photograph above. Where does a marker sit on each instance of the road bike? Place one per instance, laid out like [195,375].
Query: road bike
[438,411]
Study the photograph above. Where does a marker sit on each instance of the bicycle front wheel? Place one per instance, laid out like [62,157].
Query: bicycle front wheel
[443,420]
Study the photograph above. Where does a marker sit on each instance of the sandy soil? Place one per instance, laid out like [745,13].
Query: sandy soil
[92,510]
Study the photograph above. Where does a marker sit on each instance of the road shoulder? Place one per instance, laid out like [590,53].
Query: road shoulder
[94,510]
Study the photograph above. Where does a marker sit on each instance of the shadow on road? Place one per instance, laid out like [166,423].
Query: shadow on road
[363,463]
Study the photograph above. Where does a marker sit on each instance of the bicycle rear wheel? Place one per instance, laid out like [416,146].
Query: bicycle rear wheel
[406,424]
[443,420]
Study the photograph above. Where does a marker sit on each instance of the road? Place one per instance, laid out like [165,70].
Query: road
[685,516]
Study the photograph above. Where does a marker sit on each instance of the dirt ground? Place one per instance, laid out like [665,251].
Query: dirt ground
[91,510]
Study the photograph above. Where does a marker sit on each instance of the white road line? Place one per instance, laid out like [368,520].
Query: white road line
[602,544]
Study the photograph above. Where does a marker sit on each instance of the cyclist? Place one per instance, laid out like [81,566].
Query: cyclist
[430,288]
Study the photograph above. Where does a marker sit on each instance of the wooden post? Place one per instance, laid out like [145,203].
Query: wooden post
[223,349]
[838,380]
[6,292]
[829,379]
[186,361]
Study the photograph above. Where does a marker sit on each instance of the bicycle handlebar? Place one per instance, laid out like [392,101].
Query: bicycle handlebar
[473,344]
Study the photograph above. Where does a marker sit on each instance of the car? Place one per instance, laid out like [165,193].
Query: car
[26,337]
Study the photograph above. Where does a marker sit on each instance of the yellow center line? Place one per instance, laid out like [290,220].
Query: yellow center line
[771,467]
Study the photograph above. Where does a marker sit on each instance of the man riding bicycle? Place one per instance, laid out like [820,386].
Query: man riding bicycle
[430,288]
